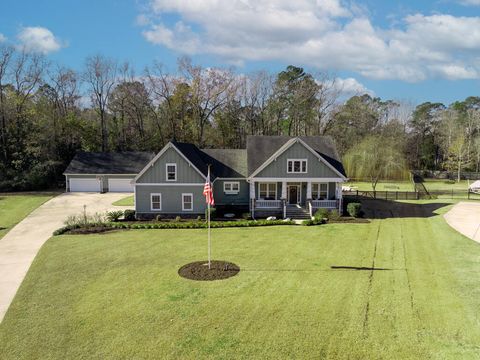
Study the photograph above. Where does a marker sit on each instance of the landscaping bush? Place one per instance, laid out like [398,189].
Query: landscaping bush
[178,218]
[114,215]
[313,222]
[247,216]
[321,214]
[159,217]
[213,213]
[199,218]
[334,215]
[354,209]
[129,215]
[85,219]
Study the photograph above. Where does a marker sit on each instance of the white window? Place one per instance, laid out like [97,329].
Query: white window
[267,191]
[320,191]
[187,202]
[155,202]
[171,171]
[296,166]
[232,187]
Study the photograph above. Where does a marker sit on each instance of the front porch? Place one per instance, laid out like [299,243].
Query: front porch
[279,198]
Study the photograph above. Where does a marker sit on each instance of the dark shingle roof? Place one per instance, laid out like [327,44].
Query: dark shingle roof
[227,163]
[131,162]
[261,148]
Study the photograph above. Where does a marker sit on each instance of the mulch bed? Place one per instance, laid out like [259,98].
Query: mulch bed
[90,230]
[199,270]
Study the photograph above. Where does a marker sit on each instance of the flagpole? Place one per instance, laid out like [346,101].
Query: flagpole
[208,211]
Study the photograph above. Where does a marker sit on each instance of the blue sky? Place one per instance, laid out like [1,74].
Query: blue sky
[411,50]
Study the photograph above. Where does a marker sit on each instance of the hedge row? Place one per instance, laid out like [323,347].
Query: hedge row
[184,225]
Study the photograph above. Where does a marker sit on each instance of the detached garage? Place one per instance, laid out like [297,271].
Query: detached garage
[102,172]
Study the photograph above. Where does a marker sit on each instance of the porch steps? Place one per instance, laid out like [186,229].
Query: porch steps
[296,212]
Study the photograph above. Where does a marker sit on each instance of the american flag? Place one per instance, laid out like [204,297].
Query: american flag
[207,190]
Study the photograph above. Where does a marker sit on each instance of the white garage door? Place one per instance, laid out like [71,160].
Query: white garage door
[120,185]
[85,185]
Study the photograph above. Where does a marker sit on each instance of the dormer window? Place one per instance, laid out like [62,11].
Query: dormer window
[171,172]
[296,166]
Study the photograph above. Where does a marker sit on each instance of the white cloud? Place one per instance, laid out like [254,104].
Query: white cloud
[350,86]
[3,38]
[323,34]
[38,39]
[470,2]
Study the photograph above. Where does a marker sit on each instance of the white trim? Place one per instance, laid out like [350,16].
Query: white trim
[223,178]
[286,146]
[297,179]
[165,148]
[183,201]
[298,172]
[166,171]
[268,188]
[169,184]
[151,202]
[231,183]
[97,174]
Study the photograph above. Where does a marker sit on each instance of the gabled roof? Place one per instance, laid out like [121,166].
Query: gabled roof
[262,148]
[131,162]
[227,163]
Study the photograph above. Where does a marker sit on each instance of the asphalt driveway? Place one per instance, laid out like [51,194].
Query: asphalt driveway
[20,245]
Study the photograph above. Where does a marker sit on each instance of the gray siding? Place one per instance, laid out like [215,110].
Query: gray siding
[231,199]
[157,173]
[104,179]
[315,168]
[171,199]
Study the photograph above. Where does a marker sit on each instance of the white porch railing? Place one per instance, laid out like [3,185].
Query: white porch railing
[328,204]
[268,204]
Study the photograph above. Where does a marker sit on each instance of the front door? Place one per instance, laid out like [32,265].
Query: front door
[293,194]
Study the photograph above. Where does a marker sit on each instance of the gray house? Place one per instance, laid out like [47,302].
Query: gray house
[275,175]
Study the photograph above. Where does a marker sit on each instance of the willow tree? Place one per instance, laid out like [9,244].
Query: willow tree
[375,159]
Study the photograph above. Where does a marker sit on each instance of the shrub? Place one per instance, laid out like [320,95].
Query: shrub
[159,217]
[247,216]
[129,215]
[84,219]
[354,209]
[334,215]
[114,215]
[321,214]
[213,213]
[199,218]
[178,218]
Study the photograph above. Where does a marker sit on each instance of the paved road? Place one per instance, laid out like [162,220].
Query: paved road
[465,218]
[20,245]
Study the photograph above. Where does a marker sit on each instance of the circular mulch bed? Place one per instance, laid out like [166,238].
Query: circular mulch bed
[199,270]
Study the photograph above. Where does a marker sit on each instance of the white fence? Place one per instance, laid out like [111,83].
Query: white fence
[328,204]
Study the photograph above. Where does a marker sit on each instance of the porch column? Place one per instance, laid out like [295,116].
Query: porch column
[339,198]
[252,198]
[284,190]
[309,190]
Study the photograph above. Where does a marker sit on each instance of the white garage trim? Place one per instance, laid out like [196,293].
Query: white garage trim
[120,185]
[85,185]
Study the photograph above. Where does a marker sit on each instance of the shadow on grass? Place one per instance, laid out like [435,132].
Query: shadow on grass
[385,209]
[332,268]
[364,268]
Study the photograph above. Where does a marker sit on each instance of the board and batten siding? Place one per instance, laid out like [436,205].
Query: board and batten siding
[315,168]
[171,199]
[231,199]
[186,173]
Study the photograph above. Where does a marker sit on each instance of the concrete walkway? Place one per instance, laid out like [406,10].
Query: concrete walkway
[20,245]
[465,218]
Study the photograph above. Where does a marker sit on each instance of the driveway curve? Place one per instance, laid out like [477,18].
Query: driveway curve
[20,245]
[465,218]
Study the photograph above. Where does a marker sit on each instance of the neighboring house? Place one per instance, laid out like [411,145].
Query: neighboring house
[102,172]
[276,175]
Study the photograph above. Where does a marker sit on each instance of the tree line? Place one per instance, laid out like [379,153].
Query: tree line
[48,112]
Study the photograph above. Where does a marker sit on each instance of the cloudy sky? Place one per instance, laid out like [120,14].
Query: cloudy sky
[412,50]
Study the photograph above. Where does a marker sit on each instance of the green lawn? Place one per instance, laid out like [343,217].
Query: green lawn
[118,295]
[434,184]
[382,186]
[13,208]
[126,201]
